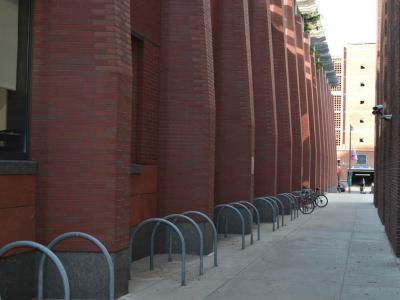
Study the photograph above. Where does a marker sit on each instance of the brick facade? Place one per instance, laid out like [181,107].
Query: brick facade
[304,101]
[234,167]
[187,108]
[284,124]
[294,91]
[264,99]
[388,133]
[138,111]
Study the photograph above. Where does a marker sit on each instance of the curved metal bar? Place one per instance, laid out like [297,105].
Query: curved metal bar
[291,204]
[214,231]
[274,208]
[174,217]
[251,218]
[46,252]
[278,208]
[103,249]
[178,232]
[295,204]
[222,207]
[281,208]
[257,216]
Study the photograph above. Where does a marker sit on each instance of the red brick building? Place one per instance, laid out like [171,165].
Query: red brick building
[126,110]
[387,132]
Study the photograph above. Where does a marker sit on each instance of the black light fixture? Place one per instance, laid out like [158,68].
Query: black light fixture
[377,110]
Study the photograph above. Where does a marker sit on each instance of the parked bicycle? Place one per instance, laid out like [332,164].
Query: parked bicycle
[310,199]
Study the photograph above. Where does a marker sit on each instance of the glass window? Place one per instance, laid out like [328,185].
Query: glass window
[15,22]
[361,159]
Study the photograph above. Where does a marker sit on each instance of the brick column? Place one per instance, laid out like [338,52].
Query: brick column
[293,74]
[234,174]
[264,99]
[310,104]
[284,159]
[322,108]
[305,119]
[317,123]
[80,129]
[187,108]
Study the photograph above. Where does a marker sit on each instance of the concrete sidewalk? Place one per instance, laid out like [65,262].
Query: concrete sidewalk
[339,252]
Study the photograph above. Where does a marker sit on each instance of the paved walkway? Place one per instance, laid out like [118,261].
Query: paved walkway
[339,252]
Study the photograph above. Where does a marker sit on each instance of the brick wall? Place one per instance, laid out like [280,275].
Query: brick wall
[81,103]
[187,108]
[234,169]
[17,208]
[387,134]
[304,101]
[284,125]
[311,96]
[293,75]
[264,99]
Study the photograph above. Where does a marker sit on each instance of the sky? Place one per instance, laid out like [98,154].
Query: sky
[348,21]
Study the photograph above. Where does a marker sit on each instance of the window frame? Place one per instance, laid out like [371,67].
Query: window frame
[24,84]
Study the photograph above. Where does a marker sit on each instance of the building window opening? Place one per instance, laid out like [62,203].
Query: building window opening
[15,53]
[361,159]
[362,121]
[362,84]
[362,101]
[362,67]
[361,140]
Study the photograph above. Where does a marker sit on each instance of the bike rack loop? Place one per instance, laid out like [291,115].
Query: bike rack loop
[175,217]
[214,231]
[274,202]
[257,215]
[103,249]
[281,207]
[47,252]
[296,204]
[251,218]
[291,203]
[222,207]
[178,232]
[274,216]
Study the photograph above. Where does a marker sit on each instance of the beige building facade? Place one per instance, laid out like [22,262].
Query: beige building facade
[354,98]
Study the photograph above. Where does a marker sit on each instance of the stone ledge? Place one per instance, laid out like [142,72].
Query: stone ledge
[18,167]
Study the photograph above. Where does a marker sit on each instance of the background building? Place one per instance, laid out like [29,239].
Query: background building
[354,97]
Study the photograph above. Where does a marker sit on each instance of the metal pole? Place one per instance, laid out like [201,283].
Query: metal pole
[349,169]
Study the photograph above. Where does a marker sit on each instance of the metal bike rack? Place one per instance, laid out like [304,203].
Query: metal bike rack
[288,197]
[90,238]
[250,215]
[214,231]
[221,207]
[275,217]
[47,252]
[174,218]
[295,203]
[257,215]
[178,232]
[281,208]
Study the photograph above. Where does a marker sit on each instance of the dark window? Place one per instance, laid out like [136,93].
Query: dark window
[362,84]
[362,67]
[362,121]
[361,140]
[362,101]
[15,54]
[361,159]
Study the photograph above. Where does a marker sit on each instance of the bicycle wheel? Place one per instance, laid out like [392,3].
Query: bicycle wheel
[321,201]
[306,206]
